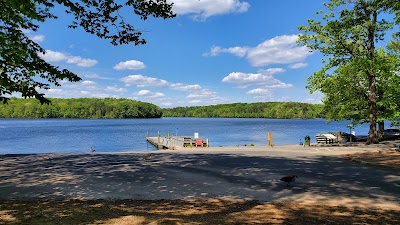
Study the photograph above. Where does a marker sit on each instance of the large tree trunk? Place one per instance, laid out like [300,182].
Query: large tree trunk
[372,137]
[373,110]
[381,130]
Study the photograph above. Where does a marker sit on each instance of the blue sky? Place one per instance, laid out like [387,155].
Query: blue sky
[213,52]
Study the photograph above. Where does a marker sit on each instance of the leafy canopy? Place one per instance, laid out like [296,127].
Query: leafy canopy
[21,68]
[352,37]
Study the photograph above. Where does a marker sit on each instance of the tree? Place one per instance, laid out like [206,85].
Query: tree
[348,37]
[21,68]
[347,91]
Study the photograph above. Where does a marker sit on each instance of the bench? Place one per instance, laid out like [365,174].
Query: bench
[199,142]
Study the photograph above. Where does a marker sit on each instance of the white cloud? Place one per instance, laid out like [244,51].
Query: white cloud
[67,92]
[203,9]
[166,104]
[88,82]
[264,78]
[196,92]
[86,85]
[150,94]
[184,87]
[278,50]
[37,38]
[272,71]
[260,91]
[115,88]
[143,81]
[96,76]
[236,51]
[92,75]
[53,56]
[298,65]
[238,77]
[205,97]
[81,61]
[130,65]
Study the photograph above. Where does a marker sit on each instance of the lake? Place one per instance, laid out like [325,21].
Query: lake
[121,135]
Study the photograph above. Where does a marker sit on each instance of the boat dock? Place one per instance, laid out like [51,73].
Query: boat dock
[177,142]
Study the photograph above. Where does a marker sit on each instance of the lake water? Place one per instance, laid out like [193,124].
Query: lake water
[120,135]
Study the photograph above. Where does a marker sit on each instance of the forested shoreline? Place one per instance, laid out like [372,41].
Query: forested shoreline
[111,108]
[273,110]
[90,108]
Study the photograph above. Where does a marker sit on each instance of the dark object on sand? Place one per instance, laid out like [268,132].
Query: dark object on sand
[148,157]
[289,179]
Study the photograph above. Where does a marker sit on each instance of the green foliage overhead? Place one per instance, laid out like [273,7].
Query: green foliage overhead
[95,108]
[282,110]
[354,67]
[21,68]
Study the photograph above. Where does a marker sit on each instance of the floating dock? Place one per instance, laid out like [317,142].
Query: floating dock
[177,142]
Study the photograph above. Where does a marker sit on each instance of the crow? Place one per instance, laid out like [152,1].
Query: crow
[289,179]
[148,157]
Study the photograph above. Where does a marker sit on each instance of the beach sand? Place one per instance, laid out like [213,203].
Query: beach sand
[222,182]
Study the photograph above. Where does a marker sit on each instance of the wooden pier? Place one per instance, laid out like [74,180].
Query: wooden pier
[176,142]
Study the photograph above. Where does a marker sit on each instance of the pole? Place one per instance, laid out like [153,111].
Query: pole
[270,144]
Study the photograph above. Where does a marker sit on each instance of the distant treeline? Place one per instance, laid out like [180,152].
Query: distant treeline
[278,110]
[79,108]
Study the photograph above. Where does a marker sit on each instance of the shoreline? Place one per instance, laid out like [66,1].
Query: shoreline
[315,148]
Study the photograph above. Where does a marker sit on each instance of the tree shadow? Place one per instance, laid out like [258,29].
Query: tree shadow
[322,181]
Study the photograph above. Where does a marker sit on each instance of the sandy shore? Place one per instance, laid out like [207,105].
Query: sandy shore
[241,173]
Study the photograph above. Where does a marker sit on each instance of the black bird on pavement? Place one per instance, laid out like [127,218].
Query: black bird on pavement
[289,179]
[148,157]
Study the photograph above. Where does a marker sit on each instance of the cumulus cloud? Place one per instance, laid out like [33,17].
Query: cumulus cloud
[298,65]
[79,61]
[37,38]
[196,93]
[204,93]
[271,71]
[278,50]
[130,65]
[115,88]
[84,89]
[53,56]
[236,51]
[144,81]
[260,91]
[96,76]
[76,93]
[149,94]
[185,87]
[264,77]
[201,10]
